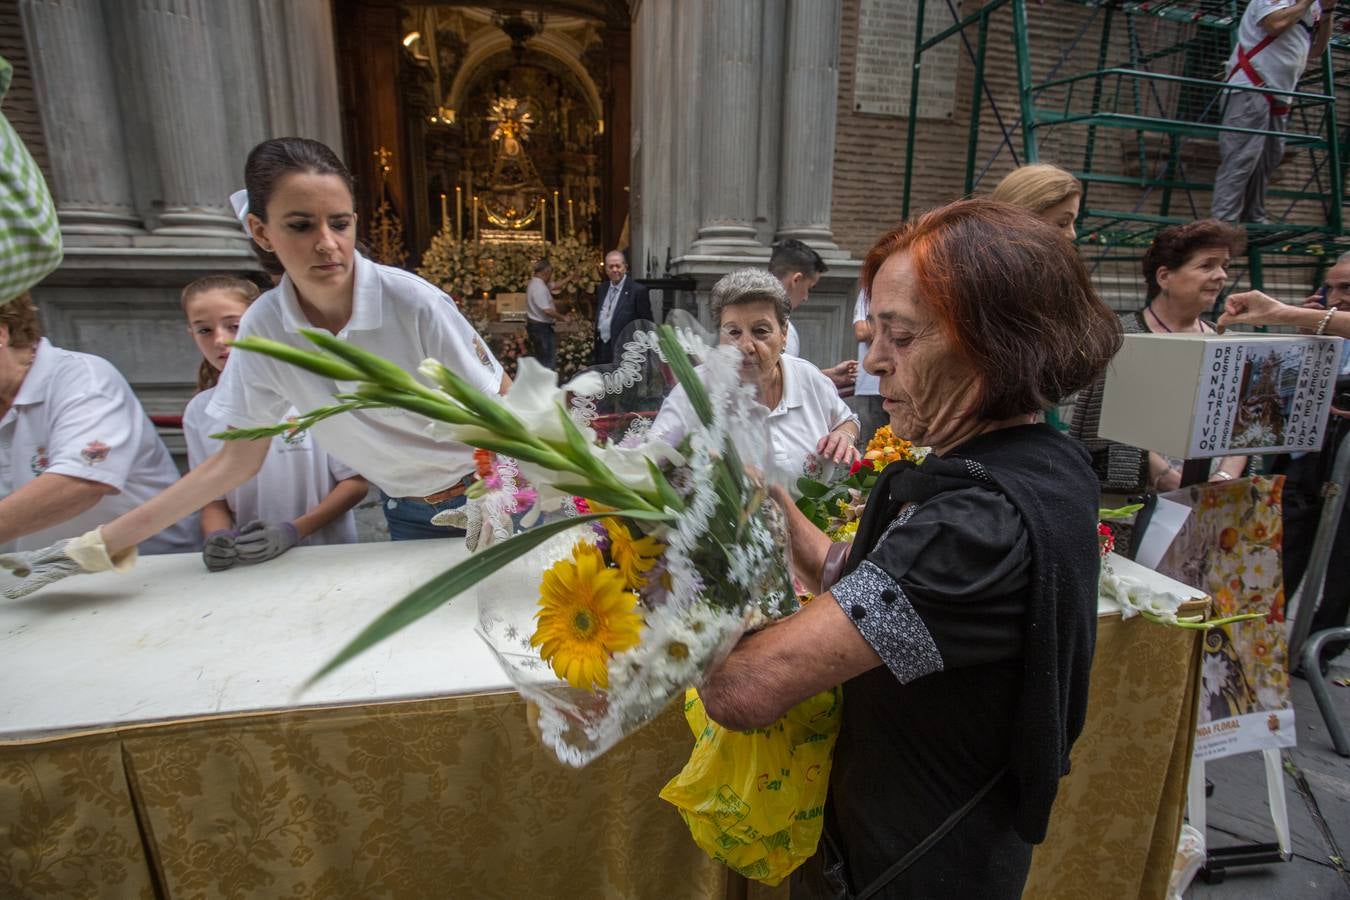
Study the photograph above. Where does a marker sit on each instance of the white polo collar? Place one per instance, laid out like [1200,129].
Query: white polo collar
[34,387]
[367,297]
[792,390]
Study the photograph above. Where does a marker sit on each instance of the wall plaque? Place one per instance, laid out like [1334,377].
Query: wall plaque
[883,63]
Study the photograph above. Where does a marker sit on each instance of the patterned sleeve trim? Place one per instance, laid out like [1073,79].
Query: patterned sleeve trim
[881,612]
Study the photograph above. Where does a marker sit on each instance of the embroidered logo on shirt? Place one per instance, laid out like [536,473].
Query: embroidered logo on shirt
[39,462]
[483,356]
[295,435]
[95,452]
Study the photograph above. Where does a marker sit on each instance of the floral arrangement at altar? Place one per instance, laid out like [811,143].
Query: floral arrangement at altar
[467,268]
[576,344]
[639,564]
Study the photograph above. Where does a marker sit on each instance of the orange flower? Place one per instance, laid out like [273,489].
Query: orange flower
[1228,539]
[482,462]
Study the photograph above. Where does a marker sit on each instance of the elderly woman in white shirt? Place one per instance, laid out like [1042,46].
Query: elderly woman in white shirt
[809,424]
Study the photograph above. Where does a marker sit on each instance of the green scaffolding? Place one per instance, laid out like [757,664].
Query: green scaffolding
[1144,77]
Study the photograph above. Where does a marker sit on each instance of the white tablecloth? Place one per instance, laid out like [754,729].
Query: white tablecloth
[170,640]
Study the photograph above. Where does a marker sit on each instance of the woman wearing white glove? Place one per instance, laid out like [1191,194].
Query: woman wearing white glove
[301,495]
[301,210]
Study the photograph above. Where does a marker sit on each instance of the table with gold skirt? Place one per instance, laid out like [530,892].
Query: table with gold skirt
[151,746]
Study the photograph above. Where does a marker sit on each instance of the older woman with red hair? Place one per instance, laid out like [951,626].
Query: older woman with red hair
[963,625]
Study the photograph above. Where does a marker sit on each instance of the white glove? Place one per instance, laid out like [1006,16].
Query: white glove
[39,568]
[472,519]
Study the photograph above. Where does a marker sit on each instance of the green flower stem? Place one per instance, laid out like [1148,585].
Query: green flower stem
[488,409]
[684,373]
[437,410]
[1200,625]
[1121,512]
[302,423]
[376,369]
[318,363]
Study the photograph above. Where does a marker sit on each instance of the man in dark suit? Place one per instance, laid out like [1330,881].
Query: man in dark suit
[619,301]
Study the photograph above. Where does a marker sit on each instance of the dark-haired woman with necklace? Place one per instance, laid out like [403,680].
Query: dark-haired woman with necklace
[301,212]
[1186,268]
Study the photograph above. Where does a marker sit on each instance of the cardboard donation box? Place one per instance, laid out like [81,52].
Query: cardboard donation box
[1201,395]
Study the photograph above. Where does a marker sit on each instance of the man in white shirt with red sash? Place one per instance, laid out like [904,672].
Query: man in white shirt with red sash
[1275,40]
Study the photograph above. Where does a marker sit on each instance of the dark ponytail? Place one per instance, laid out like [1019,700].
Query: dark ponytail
[273,160]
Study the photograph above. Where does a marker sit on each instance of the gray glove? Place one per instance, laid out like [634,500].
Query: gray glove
[38,568]
[219,552]
[260,541]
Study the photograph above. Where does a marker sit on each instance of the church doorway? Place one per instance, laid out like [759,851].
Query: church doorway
[520,112]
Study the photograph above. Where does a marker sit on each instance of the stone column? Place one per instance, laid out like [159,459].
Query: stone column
[301,84]
[76,89]
[728,156]
[809,114]
[186,110]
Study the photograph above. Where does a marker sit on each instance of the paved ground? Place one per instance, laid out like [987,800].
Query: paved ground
[1317,785]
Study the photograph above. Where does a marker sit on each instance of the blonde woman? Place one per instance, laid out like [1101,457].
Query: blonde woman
[1048,191]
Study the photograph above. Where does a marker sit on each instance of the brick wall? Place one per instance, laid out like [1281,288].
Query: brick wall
[20,105]
[1065,38]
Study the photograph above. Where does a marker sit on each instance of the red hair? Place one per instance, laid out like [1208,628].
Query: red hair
[1012,297]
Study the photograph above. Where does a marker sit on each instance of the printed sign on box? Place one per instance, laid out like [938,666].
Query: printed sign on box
[1192,396]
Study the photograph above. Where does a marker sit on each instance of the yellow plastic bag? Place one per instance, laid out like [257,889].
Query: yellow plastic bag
[755,800]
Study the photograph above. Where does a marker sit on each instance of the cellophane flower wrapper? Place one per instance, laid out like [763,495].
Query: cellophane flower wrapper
[723,567]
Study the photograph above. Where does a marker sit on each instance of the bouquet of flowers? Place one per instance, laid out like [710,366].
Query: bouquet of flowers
[651,561]
[835,507]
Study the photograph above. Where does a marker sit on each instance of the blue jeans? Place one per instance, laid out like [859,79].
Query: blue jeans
[543,342]
[409,518]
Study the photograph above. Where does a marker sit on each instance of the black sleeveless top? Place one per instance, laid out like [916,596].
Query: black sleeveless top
[974,576]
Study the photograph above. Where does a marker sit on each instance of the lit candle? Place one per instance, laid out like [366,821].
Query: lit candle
[543,218]
[557,232]
[445,214]
[571,225]
[476,236]
[459,214]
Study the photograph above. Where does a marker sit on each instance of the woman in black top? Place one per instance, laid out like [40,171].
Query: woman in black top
[962,629]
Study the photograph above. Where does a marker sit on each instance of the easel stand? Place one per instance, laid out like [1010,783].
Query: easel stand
[1219,860]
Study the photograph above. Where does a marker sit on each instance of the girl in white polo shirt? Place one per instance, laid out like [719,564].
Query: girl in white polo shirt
[300,209]
[301,495]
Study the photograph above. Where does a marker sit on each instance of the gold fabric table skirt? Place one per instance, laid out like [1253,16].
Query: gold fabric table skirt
[455,798]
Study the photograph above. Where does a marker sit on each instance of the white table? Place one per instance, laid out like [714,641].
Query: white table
[170,640]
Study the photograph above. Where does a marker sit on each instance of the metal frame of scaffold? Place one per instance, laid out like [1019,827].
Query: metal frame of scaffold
[1125,94]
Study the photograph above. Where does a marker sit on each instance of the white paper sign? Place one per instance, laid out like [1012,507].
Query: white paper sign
[1271,397]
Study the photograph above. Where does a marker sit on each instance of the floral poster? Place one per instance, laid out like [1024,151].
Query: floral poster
[1230,549]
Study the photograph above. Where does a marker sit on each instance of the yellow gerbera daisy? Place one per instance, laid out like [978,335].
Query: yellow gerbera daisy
[633,557]
[585,616]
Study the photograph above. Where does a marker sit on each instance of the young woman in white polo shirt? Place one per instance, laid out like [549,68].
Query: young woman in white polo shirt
[76,448]
[301,209]
[301,495]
